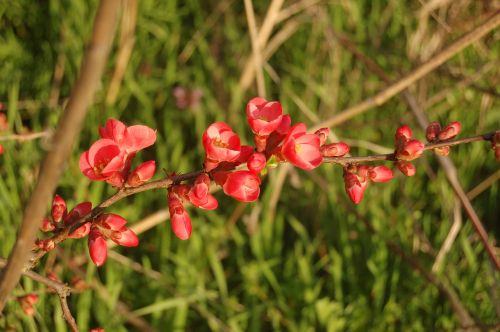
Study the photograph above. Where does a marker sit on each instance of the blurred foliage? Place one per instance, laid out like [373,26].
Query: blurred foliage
[309,263]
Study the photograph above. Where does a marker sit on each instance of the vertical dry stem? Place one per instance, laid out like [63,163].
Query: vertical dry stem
[69,125]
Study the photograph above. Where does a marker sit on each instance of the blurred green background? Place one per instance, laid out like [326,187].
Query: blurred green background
[302,258]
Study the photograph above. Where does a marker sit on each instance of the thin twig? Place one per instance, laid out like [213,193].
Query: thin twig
[62,290]
[69,126]
[25,137]
[446,163]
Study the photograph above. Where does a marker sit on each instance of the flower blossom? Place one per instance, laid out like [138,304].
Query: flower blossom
[302,149]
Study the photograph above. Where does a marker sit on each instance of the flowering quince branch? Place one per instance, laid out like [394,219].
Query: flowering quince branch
[235,167]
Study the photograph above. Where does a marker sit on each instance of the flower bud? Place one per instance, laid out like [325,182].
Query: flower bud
[45,245]
[404,132]
[432,131]
[179,218]
[339,149]
[322,133]
[47,225]
[59,209]
[142,173]
[411,150]
[256,162]
[27,302]
[242,185]
[406,168]
[97,247]
[380,174]
[355,187]
[450,131]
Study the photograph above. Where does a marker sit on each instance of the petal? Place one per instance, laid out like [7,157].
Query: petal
[139,137]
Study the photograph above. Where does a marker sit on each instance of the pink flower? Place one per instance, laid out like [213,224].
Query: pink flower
[256,162]
[450,131]
[142,173]
[380,174]
[355,186]
[102,160]
[199,194]
[59,208]
[301,149]
[263,116]
[179,218]
[221,144]
[242,185]
[97,247]
[339,149]
[406,168]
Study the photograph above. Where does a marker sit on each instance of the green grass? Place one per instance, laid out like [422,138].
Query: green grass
[311,264]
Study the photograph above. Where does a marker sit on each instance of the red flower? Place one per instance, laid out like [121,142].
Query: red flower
[27,302]
[199,194]
[142,173]
[102,160]
[221,144]
[301,149]
[131,139]
[263,116]
[355,186]
[242,185]
[179,218]
[404,132]
[256,162]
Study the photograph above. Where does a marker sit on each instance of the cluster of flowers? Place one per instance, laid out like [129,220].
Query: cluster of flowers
[237,168]
[109,158]
[106,226]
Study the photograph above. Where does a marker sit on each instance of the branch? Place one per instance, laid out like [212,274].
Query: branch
[168,182]
[69,126]
[61,289]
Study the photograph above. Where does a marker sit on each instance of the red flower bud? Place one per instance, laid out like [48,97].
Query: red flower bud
[97,247]
[450,131]
[339,149]
[380,174]
[410,150]
[322,133]
[45,245]
[242,185]
[406,168]
[404,132]
[432,131]
[179,218]
[47,225]
[355,187]
[199,194]
[1,149]
[58,208]
[256,162]
[142,173]
[27,302]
